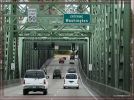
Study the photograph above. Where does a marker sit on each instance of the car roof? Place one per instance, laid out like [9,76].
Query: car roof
[34,70]
[71,69]
[56,69]
[71,73]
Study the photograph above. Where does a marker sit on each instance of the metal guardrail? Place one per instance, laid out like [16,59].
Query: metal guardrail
[14,82]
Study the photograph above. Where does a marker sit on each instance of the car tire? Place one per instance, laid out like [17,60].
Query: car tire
[25,92]
[77,87]
[60,77]
[64,87]
[53,77]
[45,92]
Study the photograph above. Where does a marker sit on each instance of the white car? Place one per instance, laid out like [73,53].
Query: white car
[71,80]
[35,80]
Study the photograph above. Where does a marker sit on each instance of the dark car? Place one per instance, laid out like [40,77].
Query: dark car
[57,73]
[71,70]
[61,60]
[64,58]
[71,62]
[72,57]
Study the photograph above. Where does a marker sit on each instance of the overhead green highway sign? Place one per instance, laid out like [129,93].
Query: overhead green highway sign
[77,18]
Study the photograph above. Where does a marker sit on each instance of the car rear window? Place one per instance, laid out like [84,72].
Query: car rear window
[71,70]
[71,76]
[34,74]
[57,71]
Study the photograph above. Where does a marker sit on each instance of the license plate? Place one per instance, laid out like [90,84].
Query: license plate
[71,81]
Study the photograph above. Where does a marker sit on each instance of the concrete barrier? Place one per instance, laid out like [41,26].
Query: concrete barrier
[46,63]
[12,82]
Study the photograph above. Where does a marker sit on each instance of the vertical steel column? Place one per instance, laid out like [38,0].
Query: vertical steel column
[132,50]
[6,30]
[93,45]
[92,74]
[116,44]
[106,34]
[1,50]
[87,59]
[102,43]
[127,42]
[110,69]
[23,59]
[84,55]
[81,54]
[88,56]
[11,32]
[15,42]
[91,55]
[10,25]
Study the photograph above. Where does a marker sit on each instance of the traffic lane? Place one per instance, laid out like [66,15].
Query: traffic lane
[56,85]
[58,90]
[63,67]
[18,90]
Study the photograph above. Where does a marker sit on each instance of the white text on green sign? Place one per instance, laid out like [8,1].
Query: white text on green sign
[76,18]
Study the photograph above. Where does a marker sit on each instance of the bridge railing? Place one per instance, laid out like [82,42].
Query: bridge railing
[46,63]
[14,82]
[99,88]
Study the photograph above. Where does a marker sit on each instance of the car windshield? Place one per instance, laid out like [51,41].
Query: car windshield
[34,74]
[71,76]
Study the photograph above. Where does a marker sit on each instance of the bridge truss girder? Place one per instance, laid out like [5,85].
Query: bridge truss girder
[49,19]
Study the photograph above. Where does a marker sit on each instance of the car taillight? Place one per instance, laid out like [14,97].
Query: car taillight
[44,81]
[23,81]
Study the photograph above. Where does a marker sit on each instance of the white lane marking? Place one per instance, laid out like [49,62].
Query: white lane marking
[87,88]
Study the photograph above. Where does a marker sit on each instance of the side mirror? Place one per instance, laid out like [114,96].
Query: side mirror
[47,77]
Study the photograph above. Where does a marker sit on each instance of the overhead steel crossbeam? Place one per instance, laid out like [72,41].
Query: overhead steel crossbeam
[56,39]
[49,24]
[54,33]
[55,2]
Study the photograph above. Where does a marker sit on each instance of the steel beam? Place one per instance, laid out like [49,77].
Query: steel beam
[50,2]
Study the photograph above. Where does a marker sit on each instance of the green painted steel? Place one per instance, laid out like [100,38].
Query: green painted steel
[110,45]
[65,47]
[10,56]
[16,25]
[48,23]
[108,48]
[31,58]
